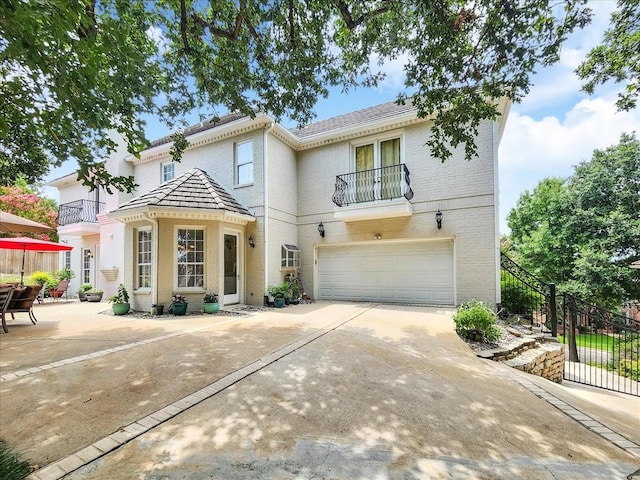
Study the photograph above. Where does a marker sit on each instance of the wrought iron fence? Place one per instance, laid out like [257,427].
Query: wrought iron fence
[526,296]
[383,183]
[79,211]
[602,347]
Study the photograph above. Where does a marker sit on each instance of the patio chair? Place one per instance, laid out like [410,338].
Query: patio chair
[59,290]
[5,297]
[22,301]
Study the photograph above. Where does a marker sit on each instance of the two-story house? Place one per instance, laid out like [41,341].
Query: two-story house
[355,205]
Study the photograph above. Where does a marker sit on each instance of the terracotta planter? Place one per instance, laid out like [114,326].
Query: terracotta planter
[210,307]
[179,308]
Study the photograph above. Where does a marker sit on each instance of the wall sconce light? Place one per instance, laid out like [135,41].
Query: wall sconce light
[439,219]
[252,244]
[321,229]
[377,236]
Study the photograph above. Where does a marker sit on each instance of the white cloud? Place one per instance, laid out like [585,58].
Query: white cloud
[550,147]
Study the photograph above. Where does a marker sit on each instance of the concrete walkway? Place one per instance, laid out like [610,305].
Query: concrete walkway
[311,391]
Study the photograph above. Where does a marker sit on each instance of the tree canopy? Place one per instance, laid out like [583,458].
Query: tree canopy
[618,57]
[72,71]
[21,200]
[583,233]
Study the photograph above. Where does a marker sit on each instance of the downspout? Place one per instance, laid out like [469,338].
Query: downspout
[496,203]
[154,255]
[265,181]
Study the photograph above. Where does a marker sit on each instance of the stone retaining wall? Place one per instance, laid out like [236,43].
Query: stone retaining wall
[534,354]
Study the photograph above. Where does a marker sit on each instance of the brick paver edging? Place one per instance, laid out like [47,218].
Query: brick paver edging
[59,469]
[101,353]
[581,417]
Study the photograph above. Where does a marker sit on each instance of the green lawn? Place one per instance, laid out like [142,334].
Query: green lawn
[591,340]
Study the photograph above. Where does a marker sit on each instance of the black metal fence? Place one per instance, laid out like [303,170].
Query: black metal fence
[526,296]
[79,211]
[602,347]
[383,183]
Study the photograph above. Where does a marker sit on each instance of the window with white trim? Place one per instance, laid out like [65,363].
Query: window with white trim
[244,163]
[86,265]
[67,260]
[168,171]
[290,256]
[144,265]
[190,257]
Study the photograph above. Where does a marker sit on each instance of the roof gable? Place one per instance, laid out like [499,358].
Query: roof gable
[193,190]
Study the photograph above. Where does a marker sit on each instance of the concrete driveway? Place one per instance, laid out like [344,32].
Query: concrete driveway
[323,391]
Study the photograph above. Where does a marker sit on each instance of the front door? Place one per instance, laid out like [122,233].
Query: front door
[231,273]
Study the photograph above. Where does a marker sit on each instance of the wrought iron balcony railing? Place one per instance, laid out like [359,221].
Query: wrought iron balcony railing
[384,183]
[79,211]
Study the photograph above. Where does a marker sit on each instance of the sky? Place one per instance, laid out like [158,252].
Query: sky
[554,128]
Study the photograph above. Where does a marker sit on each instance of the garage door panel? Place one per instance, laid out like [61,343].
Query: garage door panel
[420,272]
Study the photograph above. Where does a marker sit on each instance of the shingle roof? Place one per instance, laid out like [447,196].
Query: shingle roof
[200,127]
[193,189]
[352,119]
[359,117]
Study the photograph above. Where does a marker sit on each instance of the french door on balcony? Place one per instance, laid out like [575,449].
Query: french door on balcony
[376,177]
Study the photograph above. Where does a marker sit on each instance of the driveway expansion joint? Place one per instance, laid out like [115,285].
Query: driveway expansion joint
[67,465]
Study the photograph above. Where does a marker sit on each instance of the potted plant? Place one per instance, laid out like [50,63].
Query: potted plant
[210,302]
[278,292]
[178,304]
[94,295]
[82,291]
[120,301]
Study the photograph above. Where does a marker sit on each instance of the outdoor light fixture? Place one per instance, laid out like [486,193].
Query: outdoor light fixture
[439,219]
[321,229]
[377,236]
[252,244]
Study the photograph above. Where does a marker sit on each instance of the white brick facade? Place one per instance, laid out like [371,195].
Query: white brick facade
[296,195]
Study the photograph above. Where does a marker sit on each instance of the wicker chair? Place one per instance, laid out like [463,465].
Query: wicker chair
[5,297]
[22,301]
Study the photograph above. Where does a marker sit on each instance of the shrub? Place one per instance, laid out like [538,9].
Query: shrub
[122,296]
[44,278]
[12,466]
[475,317]
[517,298]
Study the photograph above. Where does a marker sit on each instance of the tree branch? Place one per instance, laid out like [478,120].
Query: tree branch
[348,18]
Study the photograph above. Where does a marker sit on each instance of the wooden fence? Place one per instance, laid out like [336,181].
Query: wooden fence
[11,262]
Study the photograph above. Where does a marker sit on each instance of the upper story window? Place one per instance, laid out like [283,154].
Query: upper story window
[377,154]
[190,257]
[168,171]
[244,163]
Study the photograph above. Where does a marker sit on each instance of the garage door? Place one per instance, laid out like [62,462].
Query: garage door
[393,272]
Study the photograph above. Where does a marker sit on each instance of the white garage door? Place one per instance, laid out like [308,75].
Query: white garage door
[394,272]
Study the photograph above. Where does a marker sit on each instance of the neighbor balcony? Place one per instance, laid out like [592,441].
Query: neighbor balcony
[80,217]
[373,194]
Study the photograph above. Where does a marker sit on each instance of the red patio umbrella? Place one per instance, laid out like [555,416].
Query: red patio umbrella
[32,244]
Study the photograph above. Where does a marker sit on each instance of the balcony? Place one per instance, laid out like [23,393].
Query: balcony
[80,217]
[373,194]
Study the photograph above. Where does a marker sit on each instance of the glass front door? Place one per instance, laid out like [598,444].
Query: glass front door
[231,274]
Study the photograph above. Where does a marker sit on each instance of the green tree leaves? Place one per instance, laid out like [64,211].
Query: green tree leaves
[585,232]
[618,58]
[73,71]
